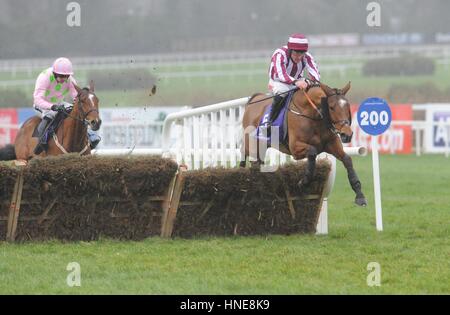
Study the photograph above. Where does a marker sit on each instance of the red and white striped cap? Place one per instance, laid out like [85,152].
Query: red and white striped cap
[298,42]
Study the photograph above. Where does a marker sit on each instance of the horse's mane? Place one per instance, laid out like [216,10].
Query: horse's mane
[85,90]
[325,109]
[312,84]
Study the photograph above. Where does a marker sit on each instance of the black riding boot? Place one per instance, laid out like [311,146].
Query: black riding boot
[274,111]
[43,141]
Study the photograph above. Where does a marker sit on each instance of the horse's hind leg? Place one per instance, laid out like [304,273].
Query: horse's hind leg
[244,150]
[243,160]
[245,154]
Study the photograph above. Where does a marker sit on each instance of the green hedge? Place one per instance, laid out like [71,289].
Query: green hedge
[401,66]
[138,78]
[15,98]
[420,93]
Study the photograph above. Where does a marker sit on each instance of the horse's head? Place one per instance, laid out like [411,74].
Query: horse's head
[338,108]
[86,103]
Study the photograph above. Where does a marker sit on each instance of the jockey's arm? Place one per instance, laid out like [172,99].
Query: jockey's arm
[42,83]
[301,84]
[280,67]
[312,68]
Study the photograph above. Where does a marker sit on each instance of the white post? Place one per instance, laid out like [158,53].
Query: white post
[376,183]
[214,139]
[322,223]
[222,130]
[196,141]
[447,141]
[418,141]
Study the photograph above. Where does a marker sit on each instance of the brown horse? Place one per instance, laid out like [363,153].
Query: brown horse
[71,136]
[316,118]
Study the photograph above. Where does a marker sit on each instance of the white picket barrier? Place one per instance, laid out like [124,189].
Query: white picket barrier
[212,136]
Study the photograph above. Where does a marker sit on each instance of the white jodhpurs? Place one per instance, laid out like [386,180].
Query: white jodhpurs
[276,87]
[48,112]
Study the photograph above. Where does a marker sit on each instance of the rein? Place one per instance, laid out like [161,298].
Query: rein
[82,120]
[272,96]
[81,112]
[311,103]
[310,85]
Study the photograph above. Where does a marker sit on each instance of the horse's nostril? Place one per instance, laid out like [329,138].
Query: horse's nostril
[95,124]
[346,138]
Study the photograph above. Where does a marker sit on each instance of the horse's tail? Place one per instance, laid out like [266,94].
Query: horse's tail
[7,153]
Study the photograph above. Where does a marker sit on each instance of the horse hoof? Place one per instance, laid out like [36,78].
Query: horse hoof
[362,202]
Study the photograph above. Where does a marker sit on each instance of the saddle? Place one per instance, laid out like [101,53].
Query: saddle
[280,121]
[51,128]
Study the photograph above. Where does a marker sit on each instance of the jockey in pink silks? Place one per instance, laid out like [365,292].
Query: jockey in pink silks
[53,85]
[286,70]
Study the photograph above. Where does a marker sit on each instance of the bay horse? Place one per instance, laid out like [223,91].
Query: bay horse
[71,135]
[317,120]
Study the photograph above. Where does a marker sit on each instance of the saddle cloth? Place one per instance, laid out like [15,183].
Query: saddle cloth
[279,122]
[52,126]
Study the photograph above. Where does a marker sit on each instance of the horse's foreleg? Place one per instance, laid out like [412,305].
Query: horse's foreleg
[310,169]
[302,150]
[335,148]
[360,199]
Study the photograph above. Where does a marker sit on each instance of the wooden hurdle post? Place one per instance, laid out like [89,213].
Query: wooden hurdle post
[14,207]
[170,206]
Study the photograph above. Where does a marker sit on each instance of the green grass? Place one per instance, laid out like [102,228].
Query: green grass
[198,91]
[202,89]
[413,250]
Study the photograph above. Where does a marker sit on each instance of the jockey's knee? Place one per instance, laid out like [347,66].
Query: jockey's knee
[49,114]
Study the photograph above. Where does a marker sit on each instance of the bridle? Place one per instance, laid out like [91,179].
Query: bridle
[342,123]
[82,120]
[82,112]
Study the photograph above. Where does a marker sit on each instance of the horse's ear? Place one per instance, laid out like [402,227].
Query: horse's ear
[91,85]
[77,88]
[346,88]
[328,91]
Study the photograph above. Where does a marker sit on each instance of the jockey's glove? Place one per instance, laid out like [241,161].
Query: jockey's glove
[58,108]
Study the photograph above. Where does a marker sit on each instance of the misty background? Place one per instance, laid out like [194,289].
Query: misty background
[34,29]
[198,52]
